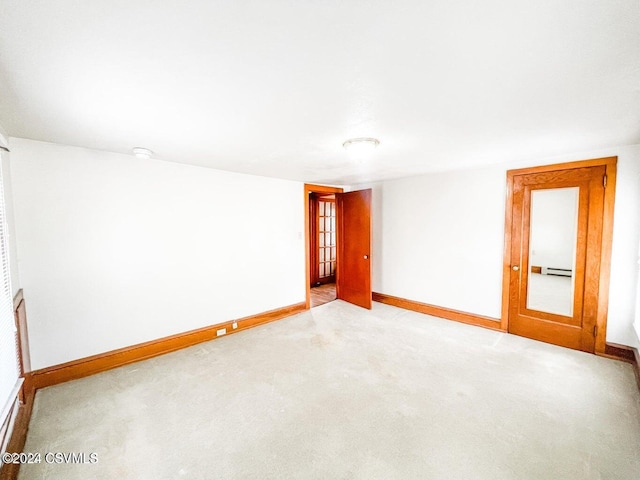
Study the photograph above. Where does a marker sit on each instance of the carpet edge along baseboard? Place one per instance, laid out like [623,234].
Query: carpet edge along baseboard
[612,350]
[626,354]
[441,312]
[84,367]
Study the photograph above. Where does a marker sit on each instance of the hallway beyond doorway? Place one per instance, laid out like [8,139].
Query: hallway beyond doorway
[323,294]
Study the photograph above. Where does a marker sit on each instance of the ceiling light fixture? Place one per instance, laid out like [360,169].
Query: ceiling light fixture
[140,152]
[361,146]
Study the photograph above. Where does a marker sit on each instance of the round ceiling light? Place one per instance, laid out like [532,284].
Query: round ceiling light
[361,146]
[142,152]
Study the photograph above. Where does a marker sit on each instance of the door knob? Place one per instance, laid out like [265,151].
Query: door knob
[515,268]
[366,257]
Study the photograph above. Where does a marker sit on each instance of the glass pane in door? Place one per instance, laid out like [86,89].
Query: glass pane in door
[326,237]
[553,238]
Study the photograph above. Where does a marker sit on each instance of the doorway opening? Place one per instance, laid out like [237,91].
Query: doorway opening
[322,244]
[558,232]
[323,248]
[351,266]
[338,245]
[322,294]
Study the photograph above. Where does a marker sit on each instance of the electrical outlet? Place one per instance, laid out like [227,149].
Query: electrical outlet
[235,325]
[221,332]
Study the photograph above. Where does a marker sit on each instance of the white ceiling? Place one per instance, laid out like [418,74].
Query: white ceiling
[274,87]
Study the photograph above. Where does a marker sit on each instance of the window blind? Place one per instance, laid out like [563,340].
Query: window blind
[9,371]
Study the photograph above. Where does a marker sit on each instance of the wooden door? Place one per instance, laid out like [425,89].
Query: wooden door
[556,242]
[353,276]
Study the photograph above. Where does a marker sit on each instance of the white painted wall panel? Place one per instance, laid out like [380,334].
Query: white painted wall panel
[115,250]
[441,239]
[626,236]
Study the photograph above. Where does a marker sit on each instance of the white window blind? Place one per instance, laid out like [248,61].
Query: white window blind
[9,372]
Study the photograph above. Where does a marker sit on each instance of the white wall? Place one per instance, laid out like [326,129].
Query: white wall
[636,324]
[439,238]
[115,250]
[624,255]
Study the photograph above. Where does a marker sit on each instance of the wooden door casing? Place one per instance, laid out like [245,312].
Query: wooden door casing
[310,189]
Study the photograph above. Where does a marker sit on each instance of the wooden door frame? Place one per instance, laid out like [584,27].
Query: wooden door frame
[602,305]
[308,189]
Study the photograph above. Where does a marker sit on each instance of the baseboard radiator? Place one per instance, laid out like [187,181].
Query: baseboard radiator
[559,272]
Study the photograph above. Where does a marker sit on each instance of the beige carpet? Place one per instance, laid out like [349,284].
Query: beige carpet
[343,393]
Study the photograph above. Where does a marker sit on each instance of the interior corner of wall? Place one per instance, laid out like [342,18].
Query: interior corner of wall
[636,327]
[4,139]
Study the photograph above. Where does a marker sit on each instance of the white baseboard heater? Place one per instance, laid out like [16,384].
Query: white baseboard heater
[560,272]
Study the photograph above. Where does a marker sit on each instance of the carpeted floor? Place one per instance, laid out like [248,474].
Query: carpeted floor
[339,392]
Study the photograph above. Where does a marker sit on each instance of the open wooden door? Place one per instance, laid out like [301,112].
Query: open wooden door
[353,276]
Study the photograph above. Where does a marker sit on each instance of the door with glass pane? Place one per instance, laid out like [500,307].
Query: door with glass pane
[556,237]
[324,248]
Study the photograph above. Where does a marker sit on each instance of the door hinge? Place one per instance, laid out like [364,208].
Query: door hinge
[604,181]
[595,330]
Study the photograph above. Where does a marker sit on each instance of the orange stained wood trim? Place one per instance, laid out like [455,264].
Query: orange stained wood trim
[595,162]
[25,396]
[506,256]
[605,242]
[621,352]
[536,269]
[310,188]
[442,312]
[116,358]
[626,354]
[605,257]
[592,280]
[9,471]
